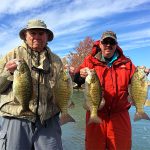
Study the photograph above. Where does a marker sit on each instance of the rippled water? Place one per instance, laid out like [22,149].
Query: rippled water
[73,133]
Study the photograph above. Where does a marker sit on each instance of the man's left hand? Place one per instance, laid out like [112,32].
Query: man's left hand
[147,71]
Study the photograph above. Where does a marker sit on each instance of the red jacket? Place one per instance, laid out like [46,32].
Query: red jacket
[114,79]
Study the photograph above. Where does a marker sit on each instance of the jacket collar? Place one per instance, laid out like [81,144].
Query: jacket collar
[40,61]
[98,59]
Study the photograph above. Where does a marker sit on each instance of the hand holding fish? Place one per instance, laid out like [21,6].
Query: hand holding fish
[70,69]
[11,65]
[146,70]
[83,72]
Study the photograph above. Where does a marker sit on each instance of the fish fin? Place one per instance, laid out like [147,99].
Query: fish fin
[132,103]
[85,107]
[130,99]
[65,118]
[71,105]
[141,115]
[94,119]
[77,87]
[10,78]
[101,105]
[147,103]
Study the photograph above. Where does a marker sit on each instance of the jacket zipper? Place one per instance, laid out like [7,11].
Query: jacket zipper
[109,109]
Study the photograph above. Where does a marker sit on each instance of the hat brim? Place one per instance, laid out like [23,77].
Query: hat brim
[109,37]
[49,32]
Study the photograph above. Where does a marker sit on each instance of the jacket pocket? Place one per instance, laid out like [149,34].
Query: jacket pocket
[2,140]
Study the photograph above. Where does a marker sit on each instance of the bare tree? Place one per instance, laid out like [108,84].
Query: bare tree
[81,51]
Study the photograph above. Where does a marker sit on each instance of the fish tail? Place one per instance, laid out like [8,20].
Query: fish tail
[65,118]
[71,105]
[85,106]
[141,115]
[147,103]
[94,119]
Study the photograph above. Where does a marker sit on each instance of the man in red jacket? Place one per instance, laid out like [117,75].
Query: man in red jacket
[115,72]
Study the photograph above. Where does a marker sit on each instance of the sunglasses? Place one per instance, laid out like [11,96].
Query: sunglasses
[110,42]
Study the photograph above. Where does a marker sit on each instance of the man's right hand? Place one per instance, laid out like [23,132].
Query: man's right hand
[83,72]
[11,65]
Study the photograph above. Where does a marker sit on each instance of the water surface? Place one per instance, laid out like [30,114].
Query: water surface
[73,133]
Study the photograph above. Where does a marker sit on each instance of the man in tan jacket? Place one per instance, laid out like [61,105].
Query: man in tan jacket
[41,130]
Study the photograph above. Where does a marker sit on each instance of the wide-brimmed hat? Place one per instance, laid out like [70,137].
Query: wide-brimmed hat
[109,34]
[36,24]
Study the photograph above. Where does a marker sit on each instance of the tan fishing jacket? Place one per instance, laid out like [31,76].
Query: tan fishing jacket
[45,68]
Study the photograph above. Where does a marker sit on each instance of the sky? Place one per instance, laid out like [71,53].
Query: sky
[73,20]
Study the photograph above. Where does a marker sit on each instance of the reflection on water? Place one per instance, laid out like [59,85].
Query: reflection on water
[73,133]
[140,131]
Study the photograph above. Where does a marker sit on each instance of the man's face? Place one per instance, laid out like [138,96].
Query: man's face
[108,47]
[36,39]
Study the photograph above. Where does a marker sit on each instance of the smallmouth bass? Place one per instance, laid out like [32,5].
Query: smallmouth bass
[93,96]
[22,87]
[63,92]
[138,92]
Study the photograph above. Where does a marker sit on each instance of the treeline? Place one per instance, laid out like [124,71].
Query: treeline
[75,58]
